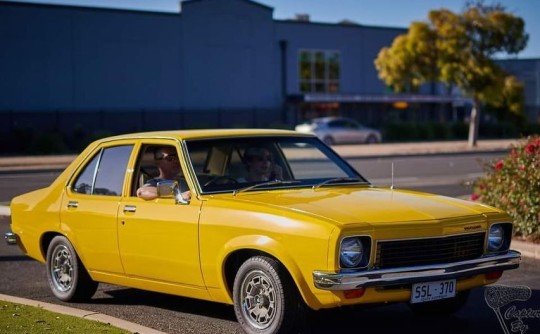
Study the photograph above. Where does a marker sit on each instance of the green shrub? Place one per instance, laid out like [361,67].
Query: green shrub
[513,184]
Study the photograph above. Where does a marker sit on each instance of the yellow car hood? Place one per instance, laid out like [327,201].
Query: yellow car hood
[369,205]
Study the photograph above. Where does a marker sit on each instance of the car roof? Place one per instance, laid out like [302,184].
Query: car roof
[331,118]
[205,133]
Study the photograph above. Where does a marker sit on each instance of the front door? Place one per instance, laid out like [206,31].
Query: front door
[159,240]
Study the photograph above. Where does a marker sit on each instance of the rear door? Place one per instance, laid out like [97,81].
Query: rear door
[90,207]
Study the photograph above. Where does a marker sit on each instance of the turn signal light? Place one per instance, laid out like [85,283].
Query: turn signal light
[356,293]
[494,275]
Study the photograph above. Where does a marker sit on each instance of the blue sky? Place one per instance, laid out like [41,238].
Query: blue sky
[391,13]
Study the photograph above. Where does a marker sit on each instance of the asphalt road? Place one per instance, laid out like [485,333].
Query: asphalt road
[26,278]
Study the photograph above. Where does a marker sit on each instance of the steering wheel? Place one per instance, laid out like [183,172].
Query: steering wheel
[221,180]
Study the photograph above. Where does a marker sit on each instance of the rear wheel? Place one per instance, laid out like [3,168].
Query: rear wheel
[68,279]
[265,298]
[442,307]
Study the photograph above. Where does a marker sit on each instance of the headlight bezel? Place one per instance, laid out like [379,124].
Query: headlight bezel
[352,242]
[498,237]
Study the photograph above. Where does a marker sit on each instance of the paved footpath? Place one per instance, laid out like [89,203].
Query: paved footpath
[26,164]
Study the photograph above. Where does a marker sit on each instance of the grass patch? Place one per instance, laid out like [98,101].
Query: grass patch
[17,318]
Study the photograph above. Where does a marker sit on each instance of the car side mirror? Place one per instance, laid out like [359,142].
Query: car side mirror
[168,189]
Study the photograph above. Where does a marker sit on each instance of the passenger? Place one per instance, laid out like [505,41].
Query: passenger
[167,162]
[260,165]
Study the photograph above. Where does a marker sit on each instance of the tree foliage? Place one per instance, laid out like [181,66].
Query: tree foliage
[457,49]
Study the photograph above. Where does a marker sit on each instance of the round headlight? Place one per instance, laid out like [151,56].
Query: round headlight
[351,252]
[495,238]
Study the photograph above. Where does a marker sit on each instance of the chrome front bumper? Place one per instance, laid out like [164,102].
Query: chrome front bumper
[408,275]
[11,238]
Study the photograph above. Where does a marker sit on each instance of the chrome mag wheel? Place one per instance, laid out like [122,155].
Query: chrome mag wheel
[258,297]
[61,268]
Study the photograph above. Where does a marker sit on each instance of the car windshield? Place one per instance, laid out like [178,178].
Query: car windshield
[249,164]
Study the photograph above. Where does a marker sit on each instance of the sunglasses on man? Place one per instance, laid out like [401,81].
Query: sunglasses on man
[168,157]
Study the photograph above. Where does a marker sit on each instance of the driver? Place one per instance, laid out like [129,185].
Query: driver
[167,162]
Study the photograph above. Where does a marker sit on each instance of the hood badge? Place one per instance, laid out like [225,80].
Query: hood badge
[472,227]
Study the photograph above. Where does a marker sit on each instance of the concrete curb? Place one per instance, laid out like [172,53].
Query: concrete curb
[119,323]
[527,249]
[5,211]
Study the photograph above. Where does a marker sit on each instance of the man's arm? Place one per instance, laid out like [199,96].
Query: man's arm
[147,192]
[150,192]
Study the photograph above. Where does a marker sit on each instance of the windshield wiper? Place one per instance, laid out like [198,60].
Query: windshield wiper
[263,184]
[339,180]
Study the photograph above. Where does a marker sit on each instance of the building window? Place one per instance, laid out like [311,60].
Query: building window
[319,71]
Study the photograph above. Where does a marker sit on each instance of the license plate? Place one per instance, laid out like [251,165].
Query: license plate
[429,291]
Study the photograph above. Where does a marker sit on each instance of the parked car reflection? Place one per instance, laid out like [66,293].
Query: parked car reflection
[340,130]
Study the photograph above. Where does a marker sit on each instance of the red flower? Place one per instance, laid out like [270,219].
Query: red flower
[474,197]
[499,165]
[531,148]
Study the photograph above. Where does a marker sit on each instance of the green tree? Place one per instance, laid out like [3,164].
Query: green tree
[458,50]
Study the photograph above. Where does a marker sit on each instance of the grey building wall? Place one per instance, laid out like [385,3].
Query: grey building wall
[528,71]
[69,58]
[230,55]
[216,63]
[358,47]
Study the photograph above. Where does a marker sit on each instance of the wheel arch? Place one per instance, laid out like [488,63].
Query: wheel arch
[239,255]
[46,239]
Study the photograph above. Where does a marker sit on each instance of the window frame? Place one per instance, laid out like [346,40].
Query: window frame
[98,154]
[312,81]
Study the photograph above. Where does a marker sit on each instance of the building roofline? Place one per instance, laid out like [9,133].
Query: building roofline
[251,2]
[338,24]
[82,7]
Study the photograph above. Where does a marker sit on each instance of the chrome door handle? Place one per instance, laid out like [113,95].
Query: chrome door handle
[73,204]
[130,208]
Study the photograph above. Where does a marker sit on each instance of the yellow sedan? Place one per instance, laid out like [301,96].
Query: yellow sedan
[273,222]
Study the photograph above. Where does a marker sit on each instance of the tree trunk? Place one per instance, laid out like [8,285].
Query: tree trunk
[474,123]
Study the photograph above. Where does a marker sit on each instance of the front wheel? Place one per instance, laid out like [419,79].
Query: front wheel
[68,279]
[265,298]
[372,139]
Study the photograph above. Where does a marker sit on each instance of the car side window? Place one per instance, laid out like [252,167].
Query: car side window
[104,174]
[350,125]
[338,124]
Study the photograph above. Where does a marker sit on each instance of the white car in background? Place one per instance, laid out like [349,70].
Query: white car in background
[340,130]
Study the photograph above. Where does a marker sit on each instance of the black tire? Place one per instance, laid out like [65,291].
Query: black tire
[266,299]
[68,279]
[371,139]
[444,307]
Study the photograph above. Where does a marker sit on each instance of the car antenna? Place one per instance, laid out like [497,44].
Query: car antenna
[392,184]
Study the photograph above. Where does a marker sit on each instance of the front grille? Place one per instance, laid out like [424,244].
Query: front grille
[415,252]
